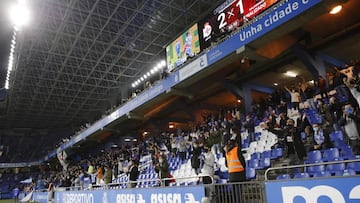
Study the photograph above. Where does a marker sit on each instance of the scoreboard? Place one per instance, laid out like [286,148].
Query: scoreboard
[227,17]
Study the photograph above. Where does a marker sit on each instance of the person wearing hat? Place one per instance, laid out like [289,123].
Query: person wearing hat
[235,162]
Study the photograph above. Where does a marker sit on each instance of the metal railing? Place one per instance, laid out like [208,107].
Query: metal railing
[249,192]
[303,167]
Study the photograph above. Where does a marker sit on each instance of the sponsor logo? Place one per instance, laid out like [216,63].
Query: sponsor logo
[312,195]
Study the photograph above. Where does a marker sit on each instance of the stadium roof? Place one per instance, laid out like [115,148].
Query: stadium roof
[78,58]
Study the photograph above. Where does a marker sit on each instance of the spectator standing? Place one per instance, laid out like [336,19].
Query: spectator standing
[162,168]
[108,174]
[51,190]
[294,97]
[350,121]
[99,174]
[134,173]
[195,161]
[235,162]
[321,84]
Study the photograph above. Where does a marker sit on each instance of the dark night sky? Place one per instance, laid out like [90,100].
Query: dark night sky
[5,38]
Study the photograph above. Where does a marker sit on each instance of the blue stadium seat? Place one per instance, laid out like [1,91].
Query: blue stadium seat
[331,154]
[345,172]
[322,174]
[283,177]
[266,154]
[346,153]
[264,163]
[335,167]
[301,175]
[276,153]
[256,155]
[336,135]
[354,166]
[315,169]
[250,173]
[254,163]
[313,157]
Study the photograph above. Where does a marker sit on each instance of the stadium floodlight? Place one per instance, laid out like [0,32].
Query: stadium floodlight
[148,74]
[145,76]
[19,14]
[163,63]
[133,85]
[152,71]
[142,78]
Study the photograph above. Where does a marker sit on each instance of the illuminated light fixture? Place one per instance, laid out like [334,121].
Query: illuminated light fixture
[134,140]
[276,84]
[336,9]
[291,74]
[163,63]
[127,139]
[156,68]
[19,14]
[238,101]
[171,126]
[311,82]
[145,133]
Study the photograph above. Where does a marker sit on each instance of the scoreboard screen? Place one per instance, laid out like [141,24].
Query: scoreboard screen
[227,17]
[184,47]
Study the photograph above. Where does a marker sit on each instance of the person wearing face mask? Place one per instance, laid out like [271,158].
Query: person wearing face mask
[290,138]
[321,137]
[208,166]
[350,121]
[208,170]
[162,168]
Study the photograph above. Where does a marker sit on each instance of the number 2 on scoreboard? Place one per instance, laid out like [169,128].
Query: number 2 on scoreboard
[222,15]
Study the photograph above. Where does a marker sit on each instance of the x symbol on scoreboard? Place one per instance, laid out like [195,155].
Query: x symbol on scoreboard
[230,13]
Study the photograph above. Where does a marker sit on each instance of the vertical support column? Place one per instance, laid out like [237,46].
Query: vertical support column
[245,92]
[315,63]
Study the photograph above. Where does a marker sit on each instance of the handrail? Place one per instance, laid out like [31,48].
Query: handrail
[307,165]
[162,181]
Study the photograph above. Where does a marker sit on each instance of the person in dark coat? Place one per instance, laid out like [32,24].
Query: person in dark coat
[134,173]
[162,168]
[290,138]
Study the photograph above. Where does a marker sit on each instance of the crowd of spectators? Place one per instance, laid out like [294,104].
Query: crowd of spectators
[280,113]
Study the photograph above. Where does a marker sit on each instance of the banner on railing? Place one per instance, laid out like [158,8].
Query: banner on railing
[336,190]
[190,194]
